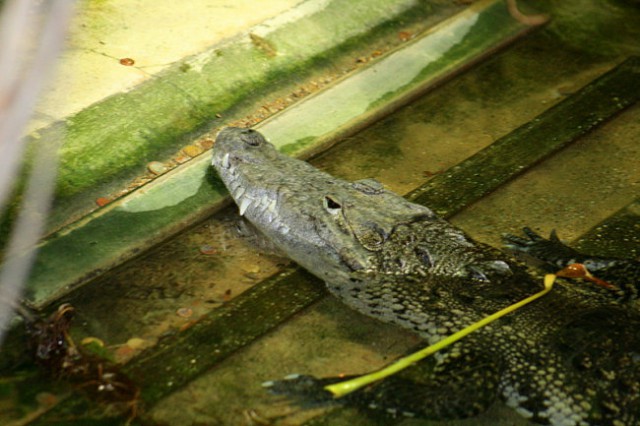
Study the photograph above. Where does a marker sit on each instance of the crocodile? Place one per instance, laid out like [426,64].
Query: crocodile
[570,358]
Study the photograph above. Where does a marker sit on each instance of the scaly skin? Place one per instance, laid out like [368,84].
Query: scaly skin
[570,358]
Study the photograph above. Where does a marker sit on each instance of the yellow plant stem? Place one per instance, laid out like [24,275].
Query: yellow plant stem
[343,388]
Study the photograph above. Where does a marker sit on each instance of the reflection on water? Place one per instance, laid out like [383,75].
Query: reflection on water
[176,283]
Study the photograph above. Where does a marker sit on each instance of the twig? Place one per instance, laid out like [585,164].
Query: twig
[17,100]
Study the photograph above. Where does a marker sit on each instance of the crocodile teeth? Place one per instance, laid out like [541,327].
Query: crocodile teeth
[267,207]
[225,161]
[271,208]
[233,186]
[237,193]
[261,204]
[244,205]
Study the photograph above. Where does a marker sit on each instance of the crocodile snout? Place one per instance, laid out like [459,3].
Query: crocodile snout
[235,138]
[251,137]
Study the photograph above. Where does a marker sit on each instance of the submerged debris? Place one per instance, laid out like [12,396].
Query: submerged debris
[405,36]
[208,250]
[102,201]
[207,143]
[192,150]
[58,355]
[157,168]
[184,312]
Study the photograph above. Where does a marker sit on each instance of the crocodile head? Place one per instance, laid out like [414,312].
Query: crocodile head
[331,227]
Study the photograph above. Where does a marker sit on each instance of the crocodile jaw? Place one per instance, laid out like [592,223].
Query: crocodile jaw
[277,195]
[329,226]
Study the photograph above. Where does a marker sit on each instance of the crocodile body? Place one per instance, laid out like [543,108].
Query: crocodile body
[570,358]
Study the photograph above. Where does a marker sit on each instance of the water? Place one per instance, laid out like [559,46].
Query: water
[571,192]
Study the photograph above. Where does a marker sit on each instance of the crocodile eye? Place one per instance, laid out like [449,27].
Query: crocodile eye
[331,205]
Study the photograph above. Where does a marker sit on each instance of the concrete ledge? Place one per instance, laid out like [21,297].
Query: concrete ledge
[108,144]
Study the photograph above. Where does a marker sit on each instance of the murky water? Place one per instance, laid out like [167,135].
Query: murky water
[571,192]
[175,284]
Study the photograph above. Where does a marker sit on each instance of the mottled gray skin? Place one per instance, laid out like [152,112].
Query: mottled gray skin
[570,358]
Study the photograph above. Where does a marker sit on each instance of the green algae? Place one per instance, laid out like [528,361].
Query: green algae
[109,143]
[605,28]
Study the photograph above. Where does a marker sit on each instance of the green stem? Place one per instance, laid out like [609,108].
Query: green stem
[343,388]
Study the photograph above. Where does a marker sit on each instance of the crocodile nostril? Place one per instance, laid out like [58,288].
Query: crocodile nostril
[251,137]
